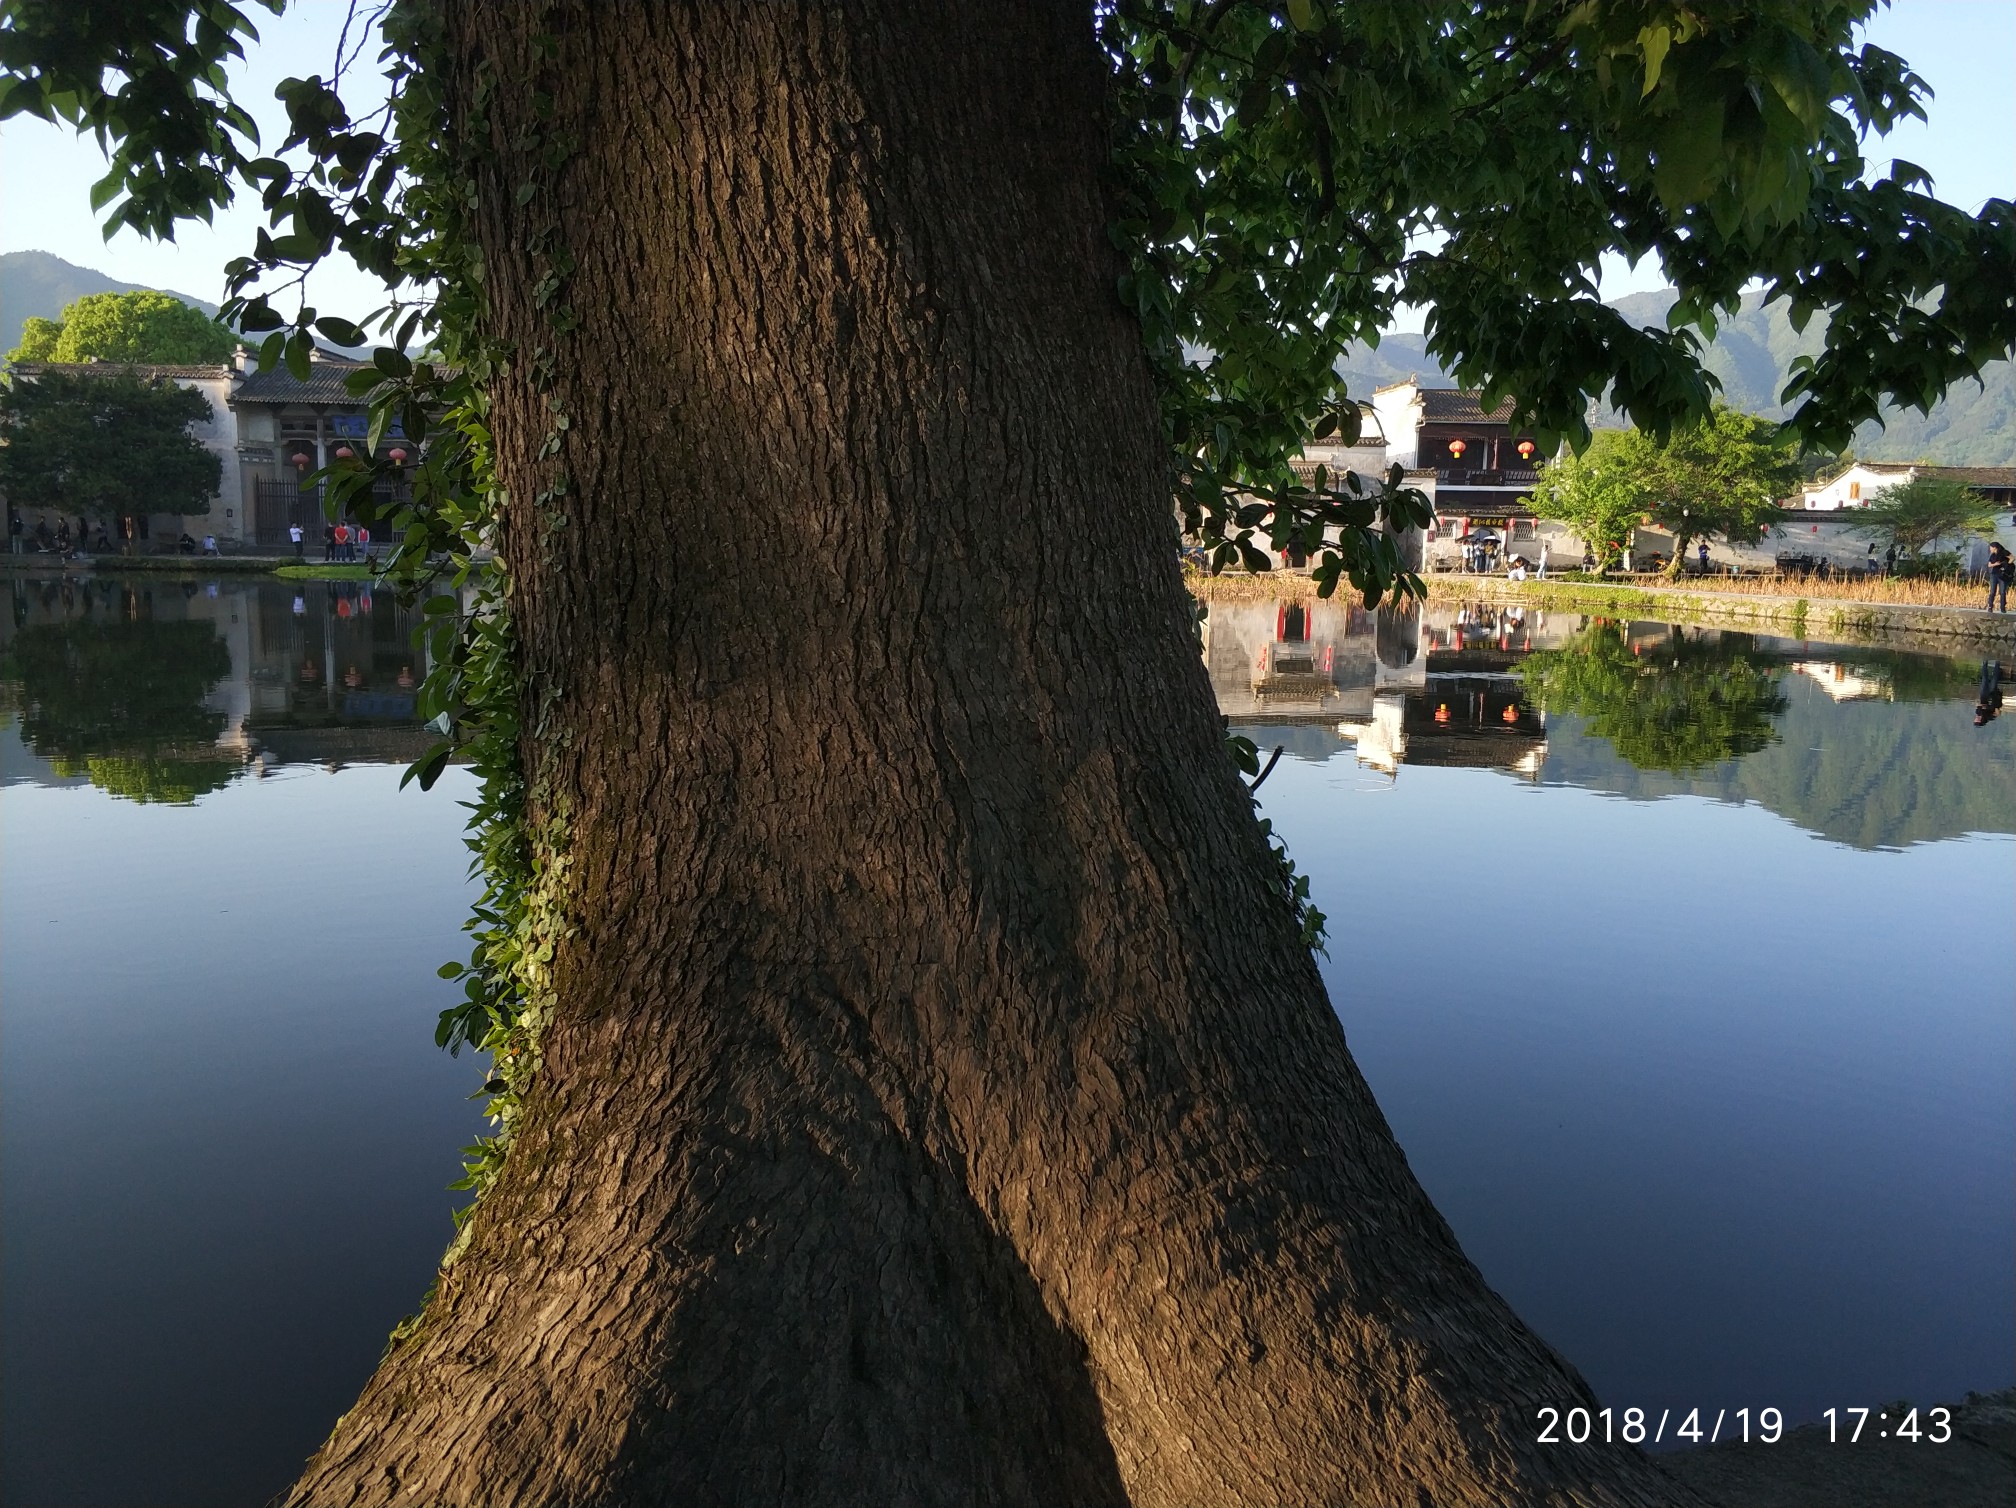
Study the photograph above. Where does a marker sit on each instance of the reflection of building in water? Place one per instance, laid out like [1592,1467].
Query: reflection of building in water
[1315,661]
[1417,687]
[1843,683]
[1475,721]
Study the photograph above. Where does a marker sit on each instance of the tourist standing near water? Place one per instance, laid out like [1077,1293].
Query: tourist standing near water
[294,533]
[2001,570]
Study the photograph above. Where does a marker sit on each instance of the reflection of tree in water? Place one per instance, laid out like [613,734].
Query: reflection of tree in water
[1680,705]
[121,702]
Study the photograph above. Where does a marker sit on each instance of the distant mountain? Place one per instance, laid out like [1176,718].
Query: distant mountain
[1752,354]
[35,284]
[1975,425]
[1396,358]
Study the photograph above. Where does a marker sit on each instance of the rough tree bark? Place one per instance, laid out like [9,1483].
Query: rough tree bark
[940,1106]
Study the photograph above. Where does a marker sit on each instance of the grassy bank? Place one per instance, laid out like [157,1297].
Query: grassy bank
[192,565]
[164,565]
[316,571]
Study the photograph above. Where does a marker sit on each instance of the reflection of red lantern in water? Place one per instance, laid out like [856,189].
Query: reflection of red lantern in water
[1510,714]
[342,607]
[1442,712]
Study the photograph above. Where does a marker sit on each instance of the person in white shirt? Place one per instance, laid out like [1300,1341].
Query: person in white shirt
[294,533]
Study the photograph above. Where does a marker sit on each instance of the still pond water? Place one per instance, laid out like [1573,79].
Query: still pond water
[1681,962]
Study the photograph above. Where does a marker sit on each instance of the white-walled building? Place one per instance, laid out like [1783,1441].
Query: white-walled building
[1862,482]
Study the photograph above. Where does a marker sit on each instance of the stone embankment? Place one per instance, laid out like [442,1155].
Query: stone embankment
[1960,628]
[1975,1468]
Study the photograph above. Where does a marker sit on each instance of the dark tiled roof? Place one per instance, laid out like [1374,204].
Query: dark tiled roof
[1449,404]
[1305,468]
[324,385]
[1977,476]
[1973,476]
[145,370]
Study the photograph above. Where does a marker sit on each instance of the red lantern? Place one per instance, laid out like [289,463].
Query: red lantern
[398,457]
[1456,449]
[300,460]
[1525,450]
[344,453]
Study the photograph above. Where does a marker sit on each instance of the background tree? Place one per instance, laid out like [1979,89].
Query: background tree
[1599,491]
[914,1084]
[1678,706]
[1720,478]
[105,446]
[141,326]
[1914,516]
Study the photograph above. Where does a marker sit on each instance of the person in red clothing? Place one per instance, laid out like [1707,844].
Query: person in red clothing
[342,541]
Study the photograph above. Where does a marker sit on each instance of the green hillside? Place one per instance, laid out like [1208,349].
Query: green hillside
[1974,426]
[34,284]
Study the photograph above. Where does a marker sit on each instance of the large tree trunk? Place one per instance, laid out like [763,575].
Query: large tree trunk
[939,1107]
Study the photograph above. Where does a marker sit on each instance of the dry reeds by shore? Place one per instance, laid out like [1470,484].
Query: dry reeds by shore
[1294,586]
[1895,590]
[1265,586]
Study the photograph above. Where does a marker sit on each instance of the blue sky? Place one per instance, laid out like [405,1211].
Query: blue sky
[1964,48]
